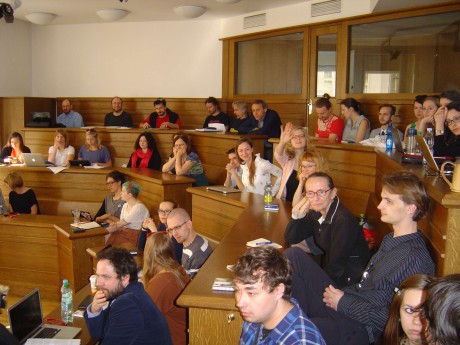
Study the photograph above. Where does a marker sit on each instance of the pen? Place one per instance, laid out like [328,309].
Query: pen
[263,243]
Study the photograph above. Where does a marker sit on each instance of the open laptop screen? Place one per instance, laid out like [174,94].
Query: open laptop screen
[25,316]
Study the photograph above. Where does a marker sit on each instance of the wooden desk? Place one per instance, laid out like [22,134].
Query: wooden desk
[34,254]
[85,189]
[210,147]
[84,335]
[210,311]
[139,257]
[357,172]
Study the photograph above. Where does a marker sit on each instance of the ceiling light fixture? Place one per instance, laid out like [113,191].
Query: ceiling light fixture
[40,18]
[189,11]
[112,14]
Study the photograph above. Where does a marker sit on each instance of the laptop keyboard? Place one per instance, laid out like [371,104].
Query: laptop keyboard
[47,333]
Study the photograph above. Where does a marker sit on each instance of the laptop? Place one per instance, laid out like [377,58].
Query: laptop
[35,160]
[407,157]
[80,163]
[397,140]
[223,189]
[26,321]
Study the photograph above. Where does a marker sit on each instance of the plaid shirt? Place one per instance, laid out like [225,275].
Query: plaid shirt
[294,328]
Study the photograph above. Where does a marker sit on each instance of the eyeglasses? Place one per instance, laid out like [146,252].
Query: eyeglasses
[164,212]
[176,228]
[321,193]
[308,166]
[451,122]
[300,136]
[108,184]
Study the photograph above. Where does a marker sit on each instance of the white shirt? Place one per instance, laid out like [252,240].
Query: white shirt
[61,157]
[135,216]
[263,172]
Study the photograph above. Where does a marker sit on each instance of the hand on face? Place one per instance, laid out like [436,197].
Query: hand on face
[230,168]
[99,301]
[440,116]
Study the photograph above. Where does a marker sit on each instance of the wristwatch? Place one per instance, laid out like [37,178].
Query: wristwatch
[439,132]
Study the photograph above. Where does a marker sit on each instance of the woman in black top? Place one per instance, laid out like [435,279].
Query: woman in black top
[447,126]
[22,199]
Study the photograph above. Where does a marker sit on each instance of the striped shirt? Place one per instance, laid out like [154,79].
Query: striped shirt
[397,259]
[294,328]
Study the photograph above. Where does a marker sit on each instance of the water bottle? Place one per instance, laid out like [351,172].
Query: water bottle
[411,140]
[66,302]
[389,141]
[429,138]
[268,196]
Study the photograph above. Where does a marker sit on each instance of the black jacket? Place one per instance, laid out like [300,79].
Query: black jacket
[340,238]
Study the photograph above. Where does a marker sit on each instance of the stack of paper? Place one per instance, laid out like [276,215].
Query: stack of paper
[223,284]
[263,242]
[85,225]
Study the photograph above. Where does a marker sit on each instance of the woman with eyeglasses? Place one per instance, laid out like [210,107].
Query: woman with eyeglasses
[309,162]
[149,228]
[257,172]
[185,162]
[110,209]
[447,126]
[405,326]
[330,230]
[164,279]
[14,149]
[133,213]
[61,152]
[93,151]
[145,153]
[293,143]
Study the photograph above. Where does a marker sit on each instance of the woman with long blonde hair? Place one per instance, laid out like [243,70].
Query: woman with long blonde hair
[164,279]
[293,142]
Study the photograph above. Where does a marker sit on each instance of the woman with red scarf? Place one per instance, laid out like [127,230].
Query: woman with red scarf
[145,153]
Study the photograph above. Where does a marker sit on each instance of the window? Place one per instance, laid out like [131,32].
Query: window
[410,55]
[269,65]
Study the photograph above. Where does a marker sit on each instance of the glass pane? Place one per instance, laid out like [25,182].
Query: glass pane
[410,55]
[326,65]
[270,65]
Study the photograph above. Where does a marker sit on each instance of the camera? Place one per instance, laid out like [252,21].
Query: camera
[6,11]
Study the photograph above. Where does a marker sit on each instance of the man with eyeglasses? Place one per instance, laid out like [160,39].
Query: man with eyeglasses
[447,125]
[149,227]
[69,118]
[196,248]
[121,311]
[162,117]
[357,314]
[330,230]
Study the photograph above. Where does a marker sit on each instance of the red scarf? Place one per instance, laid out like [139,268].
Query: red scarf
[144,156]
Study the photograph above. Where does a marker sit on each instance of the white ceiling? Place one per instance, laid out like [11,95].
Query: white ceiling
[84,11]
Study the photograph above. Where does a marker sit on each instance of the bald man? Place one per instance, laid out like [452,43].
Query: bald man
[118,117]
[196,248]
[69,118]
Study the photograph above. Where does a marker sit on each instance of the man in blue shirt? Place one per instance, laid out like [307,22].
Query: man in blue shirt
[69,118]
[121,311]
[262,278]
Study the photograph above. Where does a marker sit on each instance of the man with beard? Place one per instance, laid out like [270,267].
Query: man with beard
[162,117]
[386,114]
[122,312]
[69,118]
[118,117]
